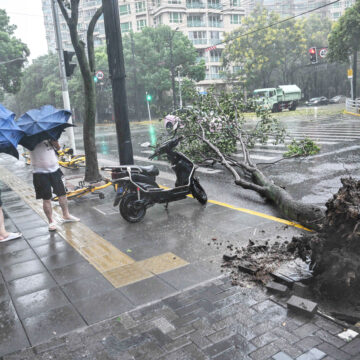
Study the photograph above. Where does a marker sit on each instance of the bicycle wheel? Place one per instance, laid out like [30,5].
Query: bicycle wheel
[198,192]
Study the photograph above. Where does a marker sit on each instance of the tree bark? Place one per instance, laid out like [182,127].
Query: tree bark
[354,73]
[92,167]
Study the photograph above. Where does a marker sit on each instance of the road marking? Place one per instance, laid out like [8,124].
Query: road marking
[118,268]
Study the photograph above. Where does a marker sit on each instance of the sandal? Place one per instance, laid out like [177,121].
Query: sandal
[11,236]
[52,226]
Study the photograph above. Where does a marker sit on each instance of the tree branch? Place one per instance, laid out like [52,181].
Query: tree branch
[64,11]
[90,38]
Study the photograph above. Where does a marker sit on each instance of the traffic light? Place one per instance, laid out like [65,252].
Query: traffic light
[313,55]
[148,97]
[69,66]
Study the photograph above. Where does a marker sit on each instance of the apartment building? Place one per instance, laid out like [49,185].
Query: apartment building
[203,21]
[338,9]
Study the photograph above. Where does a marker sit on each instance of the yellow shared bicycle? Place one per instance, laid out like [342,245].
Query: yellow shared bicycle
[82,189]
[67,159]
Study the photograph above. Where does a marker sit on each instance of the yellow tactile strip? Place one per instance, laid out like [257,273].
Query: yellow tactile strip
[118,268]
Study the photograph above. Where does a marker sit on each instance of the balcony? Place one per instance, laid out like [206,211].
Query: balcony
[215,6]
[214,41]
[199,41]
[216,24]
[213,77]
[215,58]
[195,5]
[200,58]
[196,24]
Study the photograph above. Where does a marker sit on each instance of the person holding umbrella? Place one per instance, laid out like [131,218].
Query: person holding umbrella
[43,127]
[10,135]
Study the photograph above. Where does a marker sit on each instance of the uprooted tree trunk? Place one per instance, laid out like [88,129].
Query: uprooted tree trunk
[247,175]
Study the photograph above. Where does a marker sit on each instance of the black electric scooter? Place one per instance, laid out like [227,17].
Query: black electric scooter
[136,187]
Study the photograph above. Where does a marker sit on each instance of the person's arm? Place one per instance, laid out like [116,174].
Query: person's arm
[55,144]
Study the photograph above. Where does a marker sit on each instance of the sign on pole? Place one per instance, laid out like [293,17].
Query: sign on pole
[323,52]
[350,73]
[100,75]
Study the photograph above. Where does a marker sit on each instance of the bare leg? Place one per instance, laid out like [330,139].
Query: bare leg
[3,232]
[64,206]
[48,210]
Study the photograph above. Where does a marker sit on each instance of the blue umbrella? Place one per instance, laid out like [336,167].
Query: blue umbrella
[41,124]
[10,133]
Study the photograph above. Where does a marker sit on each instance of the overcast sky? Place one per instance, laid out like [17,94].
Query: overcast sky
[27,16]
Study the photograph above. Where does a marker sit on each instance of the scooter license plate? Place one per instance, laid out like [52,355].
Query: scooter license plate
[119,194]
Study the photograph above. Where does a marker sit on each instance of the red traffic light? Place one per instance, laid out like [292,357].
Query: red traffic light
[312,51]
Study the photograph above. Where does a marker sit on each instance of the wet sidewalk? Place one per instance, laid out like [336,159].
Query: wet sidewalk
[105,289]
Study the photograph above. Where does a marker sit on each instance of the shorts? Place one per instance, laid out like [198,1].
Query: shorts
[47,183]
[0,198]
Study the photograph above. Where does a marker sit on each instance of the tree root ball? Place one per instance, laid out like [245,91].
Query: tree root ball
[335,250]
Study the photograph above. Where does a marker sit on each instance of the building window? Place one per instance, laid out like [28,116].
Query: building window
[126,27]
[235,19]
[198,37]
[235,2]
[214,4]
[174,1]
[336,15]
[215,21]
[156,3]
[140,24]
[348,3]
[237,69]
[140,6]
[124,9]
[215,55]
[195,21]
[175,17]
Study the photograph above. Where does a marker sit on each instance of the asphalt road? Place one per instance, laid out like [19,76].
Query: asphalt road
[312,180]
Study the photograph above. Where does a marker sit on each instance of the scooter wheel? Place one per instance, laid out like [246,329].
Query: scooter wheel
[128,210]
[198,192]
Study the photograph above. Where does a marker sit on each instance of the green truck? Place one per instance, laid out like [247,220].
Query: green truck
[278,99]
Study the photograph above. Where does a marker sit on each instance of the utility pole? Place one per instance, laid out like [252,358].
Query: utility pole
[64,84]
[148,106]
[135,77]
[117,75]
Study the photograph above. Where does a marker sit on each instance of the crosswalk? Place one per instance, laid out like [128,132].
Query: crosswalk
[325,133]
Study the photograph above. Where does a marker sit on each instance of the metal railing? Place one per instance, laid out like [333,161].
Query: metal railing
[195,5]
[195,23]
[353,106]
[199,41]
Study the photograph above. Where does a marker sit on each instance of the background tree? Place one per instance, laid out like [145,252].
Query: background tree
[152,64]
[344,40]
[11,49]
[70,12]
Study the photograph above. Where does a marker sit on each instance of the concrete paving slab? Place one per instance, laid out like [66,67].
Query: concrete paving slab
[86,287]
[12,334]
[55,322]
[23,269]
[146,291]
[185,277]
[49,238]
[16,257]
[70,273]
[4,293]
[104,306]
[52,248]
[62,259]
[15,245]
[30,284]
[39,302]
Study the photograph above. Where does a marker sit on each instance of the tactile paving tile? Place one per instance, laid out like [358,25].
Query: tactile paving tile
[162,263]
[128,274]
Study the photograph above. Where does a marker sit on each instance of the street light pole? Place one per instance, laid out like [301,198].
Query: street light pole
[172,70]
[64,84]
[148,105]
[117,75]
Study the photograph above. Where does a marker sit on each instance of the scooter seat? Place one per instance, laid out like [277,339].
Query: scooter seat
[151,170]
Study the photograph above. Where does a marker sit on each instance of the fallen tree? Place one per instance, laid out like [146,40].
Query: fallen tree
[215,126]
